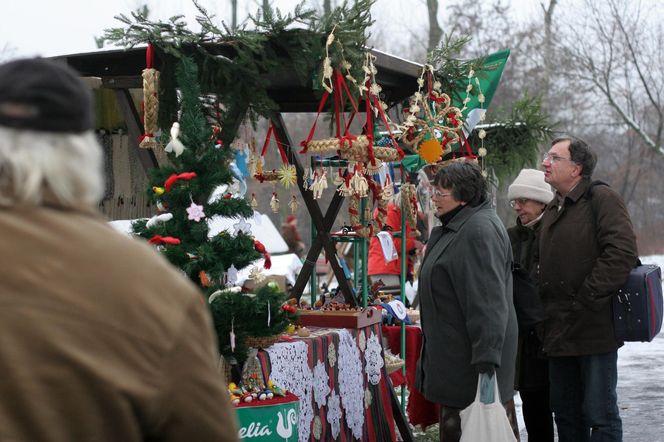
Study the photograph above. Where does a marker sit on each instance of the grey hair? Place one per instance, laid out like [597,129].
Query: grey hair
[38,166]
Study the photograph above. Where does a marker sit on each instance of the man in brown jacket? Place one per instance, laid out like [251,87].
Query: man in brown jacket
[100,338]
[587,249]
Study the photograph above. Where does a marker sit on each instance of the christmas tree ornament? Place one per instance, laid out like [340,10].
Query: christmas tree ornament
[195,212]
[232,334]
[269,313]
[162,218]
[158,190]
[287,175]
[175,145]
[260,248]
[242,227]
[293,204]
[150,101]
[253,203]
[161,207]
[274,203]
[204,278]
[173,178]
[158,239]
[231,278]
[256,275]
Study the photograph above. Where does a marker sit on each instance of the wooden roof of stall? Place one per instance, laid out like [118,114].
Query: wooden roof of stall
[121,69]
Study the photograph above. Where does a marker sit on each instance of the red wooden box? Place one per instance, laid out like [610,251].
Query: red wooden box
[340,318]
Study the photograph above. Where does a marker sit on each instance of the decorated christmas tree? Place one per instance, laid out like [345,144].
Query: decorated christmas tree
[186,193]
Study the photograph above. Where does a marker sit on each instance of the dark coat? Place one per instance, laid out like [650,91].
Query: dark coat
[583,260]
[532,369]
[468,318]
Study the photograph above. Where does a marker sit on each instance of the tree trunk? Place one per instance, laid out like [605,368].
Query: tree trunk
[548,54]
[435,31]
[327,7]
[234,14]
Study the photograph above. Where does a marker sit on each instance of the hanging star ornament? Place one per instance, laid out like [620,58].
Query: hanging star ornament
[242,226]
[256,275]
[195,212]
[231,278]
[287,175]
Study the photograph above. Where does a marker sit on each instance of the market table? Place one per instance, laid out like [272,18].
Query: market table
[419,410]
[340,378]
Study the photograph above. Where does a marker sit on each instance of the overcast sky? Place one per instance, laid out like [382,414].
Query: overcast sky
[57,27]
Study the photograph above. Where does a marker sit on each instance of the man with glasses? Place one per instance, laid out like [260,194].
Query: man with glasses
[587,248]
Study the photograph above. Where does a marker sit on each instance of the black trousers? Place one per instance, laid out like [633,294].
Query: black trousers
[537,415]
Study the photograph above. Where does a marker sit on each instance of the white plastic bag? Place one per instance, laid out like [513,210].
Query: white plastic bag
[482,422]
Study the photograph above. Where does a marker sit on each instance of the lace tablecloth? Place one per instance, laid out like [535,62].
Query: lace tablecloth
[340,379]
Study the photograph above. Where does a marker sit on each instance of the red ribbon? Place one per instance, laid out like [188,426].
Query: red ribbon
[260,248]
[149,56]
[272,130]
[158,239]
[305,143]
[173,178]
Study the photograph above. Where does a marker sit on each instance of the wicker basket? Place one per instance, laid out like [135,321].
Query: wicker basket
[261,341]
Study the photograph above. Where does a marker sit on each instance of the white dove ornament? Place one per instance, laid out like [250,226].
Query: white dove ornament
[175,145]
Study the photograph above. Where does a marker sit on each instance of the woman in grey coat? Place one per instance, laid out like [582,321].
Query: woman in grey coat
[465,289]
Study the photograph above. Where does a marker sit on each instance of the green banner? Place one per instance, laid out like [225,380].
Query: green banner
[269,423]
[488,74]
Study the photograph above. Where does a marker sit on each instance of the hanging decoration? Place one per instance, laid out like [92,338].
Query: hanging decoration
[274,203]
[253,203]
[150,101]
[175,145]
[432,125]
[157,219]
[242,227]
[287,175]
[293,204]
[195,212]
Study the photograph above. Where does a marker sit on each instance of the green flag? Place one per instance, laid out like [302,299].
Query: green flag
[488,74]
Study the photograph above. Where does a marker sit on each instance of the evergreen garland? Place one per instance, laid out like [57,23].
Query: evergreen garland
[234,65]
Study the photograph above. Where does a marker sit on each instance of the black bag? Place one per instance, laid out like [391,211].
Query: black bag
[638,306]
[637,309]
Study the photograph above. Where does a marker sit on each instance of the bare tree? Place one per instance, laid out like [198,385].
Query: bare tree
[435,31]
[619,55]
[548,52]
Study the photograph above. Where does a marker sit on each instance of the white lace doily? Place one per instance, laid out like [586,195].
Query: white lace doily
[321,384]
[351,384]
[373,359]
[334,414]
[290,370]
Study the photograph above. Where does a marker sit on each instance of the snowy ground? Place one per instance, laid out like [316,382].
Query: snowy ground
[640,386]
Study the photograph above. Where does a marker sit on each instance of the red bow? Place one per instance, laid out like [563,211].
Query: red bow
[173,178]
[158,239]
[260,248]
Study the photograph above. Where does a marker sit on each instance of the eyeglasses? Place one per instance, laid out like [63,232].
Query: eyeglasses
[438,194]
[555,158]
[519,201]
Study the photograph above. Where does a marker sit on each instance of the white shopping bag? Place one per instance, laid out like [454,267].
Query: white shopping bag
[482,422]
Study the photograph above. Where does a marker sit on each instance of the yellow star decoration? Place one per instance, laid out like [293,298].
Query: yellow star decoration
[287,175]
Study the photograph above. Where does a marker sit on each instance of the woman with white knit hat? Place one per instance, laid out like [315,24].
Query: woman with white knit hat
[529,194]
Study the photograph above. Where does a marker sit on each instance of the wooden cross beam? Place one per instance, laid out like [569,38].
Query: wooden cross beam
[322,224]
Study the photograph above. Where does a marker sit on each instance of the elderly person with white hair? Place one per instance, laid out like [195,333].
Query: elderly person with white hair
[529,195]
[100,338]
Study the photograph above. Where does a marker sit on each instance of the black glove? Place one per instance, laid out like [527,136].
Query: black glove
[486,368]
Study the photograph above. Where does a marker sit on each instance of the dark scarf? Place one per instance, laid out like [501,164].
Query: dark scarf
[447,217]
